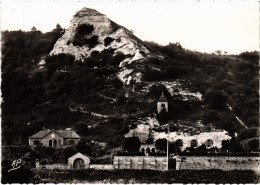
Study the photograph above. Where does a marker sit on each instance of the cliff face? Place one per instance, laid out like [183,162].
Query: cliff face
[91,32]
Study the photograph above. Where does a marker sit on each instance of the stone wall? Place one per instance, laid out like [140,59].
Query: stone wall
[54,166]
[140,162]
[201,138]
[220,162]
[102,166]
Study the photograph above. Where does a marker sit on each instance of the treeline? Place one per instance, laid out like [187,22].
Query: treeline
[35,97]
[21,88]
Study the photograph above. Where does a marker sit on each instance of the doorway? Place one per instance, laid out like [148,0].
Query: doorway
[78,164]
[50,143]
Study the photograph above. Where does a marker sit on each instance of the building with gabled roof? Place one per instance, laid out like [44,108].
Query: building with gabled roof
[162,103]
[54,138]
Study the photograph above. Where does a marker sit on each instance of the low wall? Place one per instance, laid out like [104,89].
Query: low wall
[102,166]
[220,162]
[54,166]
[140,162]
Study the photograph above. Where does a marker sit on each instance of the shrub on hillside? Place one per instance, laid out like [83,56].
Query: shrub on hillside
[250,144]
[131,144]
[121,99]
[161,144]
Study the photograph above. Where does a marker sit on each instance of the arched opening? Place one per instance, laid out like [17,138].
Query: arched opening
[50,143]
[209,143]
[147,150]
[142,150]
[78,164]
[153,150]
[55,143]
[163,106]
[194,143]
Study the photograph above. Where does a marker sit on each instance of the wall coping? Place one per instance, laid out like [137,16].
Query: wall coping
[220,156]
[140,157]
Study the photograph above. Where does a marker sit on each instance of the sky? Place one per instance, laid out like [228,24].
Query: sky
[205,26]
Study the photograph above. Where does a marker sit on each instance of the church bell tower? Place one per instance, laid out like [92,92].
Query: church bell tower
[162,104]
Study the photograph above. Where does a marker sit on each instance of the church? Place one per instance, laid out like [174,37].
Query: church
[190,133]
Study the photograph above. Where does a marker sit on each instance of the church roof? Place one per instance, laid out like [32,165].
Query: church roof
[162,98]
[63,133]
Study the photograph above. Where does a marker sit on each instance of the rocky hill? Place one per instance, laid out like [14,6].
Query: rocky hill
[99,79]
[91,32]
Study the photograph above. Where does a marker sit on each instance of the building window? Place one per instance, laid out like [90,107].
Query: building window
[153,150]
[36,142]
[147,150]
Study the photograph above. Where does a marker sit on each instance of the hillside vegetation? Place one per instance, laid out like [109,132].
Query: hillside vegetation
[88,97]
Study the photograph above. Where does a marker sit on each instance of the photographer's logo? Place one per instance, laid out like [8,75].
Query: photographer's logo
[16,164]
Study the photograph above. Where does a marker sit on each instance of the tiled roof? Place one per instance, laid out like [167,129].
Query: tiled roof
[68,133]
[162,98]
[40,134]
[62,133]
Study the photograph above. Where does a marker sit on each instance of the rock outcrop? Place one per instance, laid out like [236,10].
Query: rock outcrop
[91,31]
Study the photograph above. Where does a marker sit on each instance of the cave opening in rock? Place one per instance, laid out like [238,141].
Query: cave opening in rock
[85,29]
[108,41]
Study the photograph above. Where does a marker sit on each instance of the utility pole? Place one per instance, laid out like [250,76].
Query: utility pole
[168,149]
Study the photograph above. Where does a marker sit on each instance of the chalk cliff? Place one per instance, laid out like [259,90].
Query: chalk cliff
[91,32]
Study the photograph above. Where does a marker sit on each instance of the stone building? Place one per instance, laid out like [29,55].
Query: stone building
[162,104]
[79,161]
[54,138]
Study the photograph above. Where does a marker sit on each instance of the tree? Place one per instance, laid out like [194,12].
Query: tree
[84,146]
[251,144]
[235,146]
[225,145]
[131,144]
[33,29]
[58,31]
[161,144]
[215,99]
[218,52]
